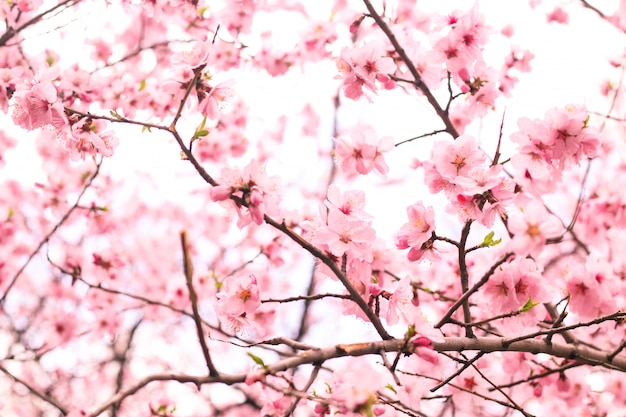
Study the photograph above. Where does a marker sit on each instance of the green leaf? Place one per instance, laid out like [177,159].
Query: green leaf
[488,240]
[256,359]
[528,306]
[144,128]
[390,387]
[142,85]
[201,133]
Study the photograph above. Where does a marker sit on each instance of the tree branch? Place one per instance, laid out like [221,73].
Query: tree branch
[193,298]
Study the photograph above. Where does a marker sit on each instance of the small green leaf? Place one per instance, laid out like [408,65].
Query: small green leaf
[142,85]
[202,10]
[390,387]
[144,128]
[528,306]
[201,133]
[488,240]
[256,359]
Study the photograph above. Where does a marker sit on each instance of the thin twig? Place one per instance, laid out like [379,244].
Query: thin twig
[51,233]
[418,82]
[41,395]
[472,290]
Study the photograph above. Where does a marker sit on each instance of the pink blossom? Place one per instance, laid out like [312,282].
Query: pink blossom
[592,288]
[239,295]
[259,193]
[350,203]
[422,347]
[457,158]
[343,235]
[35,99]
[558,15]
[88,136]
[514,284]
[532,228]
[362,66]
[363,152]
[194,58]
[417,231]
[216,99]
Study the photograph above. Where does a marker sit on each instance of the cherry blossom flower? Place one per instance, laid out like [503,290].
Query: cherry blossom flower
[216,99]
[362,66]
[193,58]
[417,231]
[558,15]
[350,203]
[238,296]
[344,235]
[258,193]
[363,152]
[453,159]
[35,100]
[88,136]
[532,228]
[591,287]
[514,284]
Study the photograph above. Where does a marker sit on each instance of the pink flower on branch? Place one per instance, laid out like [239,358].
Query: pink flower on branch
[35,101]
[363,66]
[513,285]
[252,193]
[349,236]
[418,231]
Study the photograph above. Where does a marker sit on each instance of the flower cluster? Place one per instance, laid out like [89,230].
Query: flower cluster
[206,96]
[476,192]
[517,287]
[251,192]
[362,66]
[346,228]
[36,104]
[547,147]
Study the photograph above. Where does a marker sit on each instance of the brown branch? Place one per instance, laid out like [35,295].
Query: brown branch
[458,372]
[193,298]
[305,298]
[467,316]
[281,226]
[446,344]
